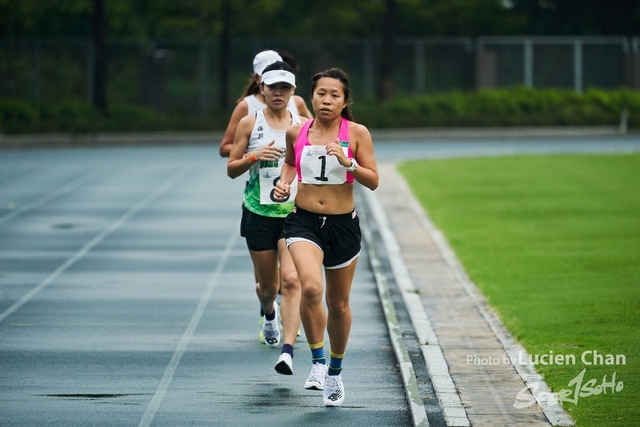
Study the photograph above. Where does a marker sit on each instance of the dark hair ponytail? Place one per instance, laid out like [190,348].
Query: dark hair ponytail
[338,74]
[252,88]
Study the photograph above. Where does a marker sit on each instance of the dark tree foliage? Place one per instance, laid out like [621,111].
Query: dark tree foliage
[100,57]
[384,20]
[580,17]
[320,19]
[387,61]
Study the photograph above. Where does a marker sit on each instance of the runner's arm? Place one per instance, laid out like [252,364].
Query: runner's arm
[239,162]
[241,110]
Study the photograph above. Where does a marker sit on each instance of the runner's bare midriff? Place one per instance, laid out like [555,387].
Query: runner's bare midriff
[326,199]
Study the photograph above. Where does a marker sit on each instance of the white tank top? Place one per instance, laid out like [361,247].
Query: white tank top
[256,105]
[263,175]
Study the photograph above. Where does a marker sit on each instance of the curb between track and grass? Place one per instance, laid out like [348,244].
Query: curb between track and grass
[532,379]
[410,383]
[452,408]
[434,358]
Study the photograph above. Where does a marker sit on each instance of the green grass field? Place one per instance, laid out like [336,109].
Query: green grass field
[554,244]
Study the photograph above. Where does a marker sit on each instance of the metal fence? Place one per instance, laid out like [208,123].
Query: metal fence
[184,76]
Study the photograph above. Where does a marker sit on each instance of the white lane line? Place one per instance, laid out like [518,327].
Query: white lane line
[47,197]
[186,336]
[87,247]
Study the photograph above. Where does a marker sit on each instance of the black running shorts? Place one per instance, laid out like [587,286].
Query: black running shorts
[261,232]
[337,236]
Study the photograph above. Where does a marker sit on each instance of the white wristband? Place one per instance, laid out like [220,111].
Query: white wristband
[354,165]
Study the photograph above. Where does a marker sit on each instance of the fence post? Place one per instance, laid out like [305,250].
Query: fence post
[368,63]
[420,68]
[37,81]
[632,62]
[528,63]
[91,72]
[204,77]
[486,62]
[577,65]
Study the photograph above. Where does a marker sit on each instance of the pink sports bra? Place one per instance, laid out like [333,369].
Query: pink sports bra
[329,167]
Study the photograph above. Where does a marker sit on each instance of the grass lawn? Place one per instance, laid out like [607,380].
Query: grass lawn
[554,243]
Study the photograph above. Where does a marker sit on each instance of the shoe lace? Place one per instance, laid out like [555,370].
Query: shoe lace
[317,371]
[331,382]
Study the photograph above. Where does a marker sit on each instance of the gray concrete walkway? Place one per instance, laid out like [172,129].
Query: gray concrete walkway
[461,336]
[464,334]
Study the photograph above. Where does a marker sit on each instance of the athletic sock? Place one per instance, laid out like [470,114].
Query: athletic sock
[317,353]
[271,316]
[287,348]
[335,363]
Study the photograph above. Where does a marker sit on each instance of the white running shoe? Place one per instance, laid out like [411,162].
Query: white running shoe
[271,330]
[285,364]
[315,380]
[333,394]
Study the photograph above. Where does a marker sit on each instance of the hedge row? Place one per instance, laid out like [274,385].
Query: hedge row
[503,107]
[70,116]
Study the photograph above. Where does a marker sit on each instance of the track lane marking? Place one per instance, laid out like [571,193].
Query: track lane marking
[161,391]
[48,197]
[163,188]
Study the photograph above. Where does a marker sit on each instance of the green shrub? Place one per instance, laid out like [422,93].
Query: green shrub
[16,115]
[69,116]
[518,106]
[135,118]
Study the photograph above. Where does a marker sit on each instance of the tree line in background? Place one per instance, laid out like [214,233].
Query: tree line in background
[383,19]
[314,18]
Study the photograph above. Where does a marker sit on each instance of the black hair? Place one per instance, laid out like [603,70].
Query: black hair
[289,59]
[278,65]
[253,88]
[338,74]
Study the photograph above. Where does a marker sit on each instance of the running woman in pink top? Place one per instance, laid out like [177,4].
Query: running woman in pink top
[326,156]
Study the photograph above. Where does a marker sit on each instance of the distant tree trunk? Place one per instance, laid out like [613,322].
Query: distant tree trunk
[389,32]
[100,63]
[225,54]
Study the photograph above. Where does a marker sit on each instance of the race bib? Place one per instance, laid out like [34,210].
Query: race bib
[316,167]
[269,177]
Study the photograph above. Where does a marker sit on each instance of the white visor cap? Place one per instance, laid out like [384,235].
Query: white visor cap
[264,58]
[279,76]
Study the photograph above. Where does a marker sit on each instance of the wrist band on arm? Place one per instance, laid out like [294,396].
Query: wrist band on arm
[253,157]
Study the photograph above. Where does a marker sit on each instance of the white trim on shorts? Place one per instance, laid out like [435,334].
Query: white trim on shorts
[291,240]
[344,264]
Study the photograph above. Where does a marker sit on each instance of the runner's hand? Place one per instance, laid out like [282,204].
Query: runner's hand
[282,190]
[335,149]
[269,152]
